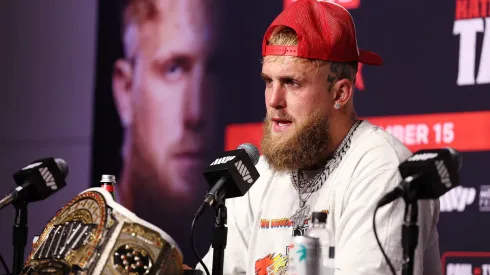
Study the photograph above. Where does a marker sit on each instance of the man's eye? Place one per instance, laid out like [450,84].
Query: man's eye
[292,83]
[174,71]
[268,82]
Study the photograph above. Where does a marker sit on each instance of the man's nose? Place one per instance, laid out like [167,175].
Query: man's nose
[277,99]
[195,98]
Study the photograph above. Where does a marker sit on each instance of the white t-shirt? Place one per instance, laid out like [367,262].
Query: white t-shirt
[259,227]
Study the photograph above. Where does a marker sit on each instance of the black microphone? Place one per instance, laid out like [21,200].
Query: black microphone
[427,174]
[231,175]
[37,181]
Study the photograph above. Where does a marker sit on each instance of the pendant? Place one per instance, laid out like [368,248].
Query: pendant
[298,219]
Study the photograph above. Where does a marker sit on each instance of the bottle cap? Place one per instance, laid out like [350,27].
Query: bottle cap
[108,178]
[319,217]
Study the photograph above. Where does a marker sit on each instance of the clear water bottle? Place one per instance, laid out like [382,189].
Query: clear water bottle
[319,230]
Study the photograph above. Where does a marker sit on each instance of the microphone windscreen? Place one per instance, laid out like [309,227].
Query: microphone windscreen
[63,166]
[457,157]
[252,152]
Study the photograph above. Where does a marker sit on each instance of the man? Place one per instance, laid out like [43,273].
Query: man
[163,92]
[318,156]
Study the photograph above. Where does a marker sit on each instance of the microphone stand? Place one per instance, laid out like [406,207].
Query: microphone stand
[220,234]
[410,234]
[19,235]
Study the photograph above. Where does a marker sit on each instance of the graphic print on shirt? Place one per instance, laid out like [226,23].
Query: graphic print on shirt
[276,223]
[286,223]
[272,264]
[276,263]
[289,222]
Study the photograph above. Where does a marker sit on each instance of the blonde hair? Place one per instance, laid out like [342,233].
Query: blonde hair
[286,36]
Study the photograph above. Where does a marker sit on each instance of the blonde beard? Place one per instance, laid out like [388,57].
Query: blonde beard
[304,148]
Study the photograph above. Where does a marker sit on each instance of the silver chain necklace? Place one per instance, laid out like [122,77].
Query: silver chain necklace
[307,188]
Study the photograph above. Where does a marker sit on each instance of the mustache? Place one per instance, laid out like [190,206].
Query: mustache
[279,115]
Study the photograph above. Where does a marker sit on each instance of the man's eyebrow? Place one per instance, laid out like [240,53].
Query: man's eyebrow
[289,77]
[285,76]
[264,76]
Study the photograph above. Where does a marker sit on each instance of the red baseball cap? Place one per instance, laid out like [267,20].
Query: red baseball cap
[325,31]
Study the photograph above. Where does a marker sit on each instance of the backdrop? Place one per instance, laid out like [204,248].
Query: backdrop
[433,91]
[47,57]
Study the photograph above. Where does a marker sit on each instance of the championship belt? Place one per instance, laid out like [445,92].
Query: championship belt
[93,234]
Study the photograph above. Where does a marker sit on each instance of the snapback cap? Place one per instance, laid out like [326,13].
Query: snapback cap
[325,31]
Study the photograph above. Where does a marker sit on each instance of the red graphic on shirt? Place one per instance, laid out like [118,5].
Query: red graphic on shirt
[272,264]
[278,223]
[283,222]
[264,223]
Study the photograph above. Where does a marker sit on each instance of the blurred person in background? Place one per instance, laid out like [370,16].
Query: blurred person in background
[163,89]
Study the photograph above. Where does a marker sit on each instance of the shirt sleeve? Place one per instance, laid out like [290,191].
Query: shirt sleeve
[432,262]
[357,251]
[237,242]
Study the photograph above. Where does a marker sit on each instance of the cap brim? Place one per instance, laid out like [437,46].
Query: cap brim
[370,58]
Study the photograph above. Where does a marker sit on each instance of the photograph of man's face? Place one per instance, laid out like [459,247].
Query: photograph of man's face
[163,90]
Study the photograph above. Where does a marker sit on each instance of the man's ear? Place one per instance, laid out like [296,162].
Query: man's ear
[122,80]
[342,91]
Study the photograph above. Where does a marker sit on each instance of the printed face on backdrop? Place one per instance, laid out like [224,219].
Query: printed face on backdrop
[298,107]
[163,91]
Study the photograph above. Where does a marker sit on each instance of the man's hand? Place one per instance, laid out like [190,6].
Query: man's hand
[186,267]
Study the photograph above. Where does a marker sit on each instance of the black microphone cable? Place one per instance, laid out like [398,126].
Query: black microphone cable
[4,265]
[194,245]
